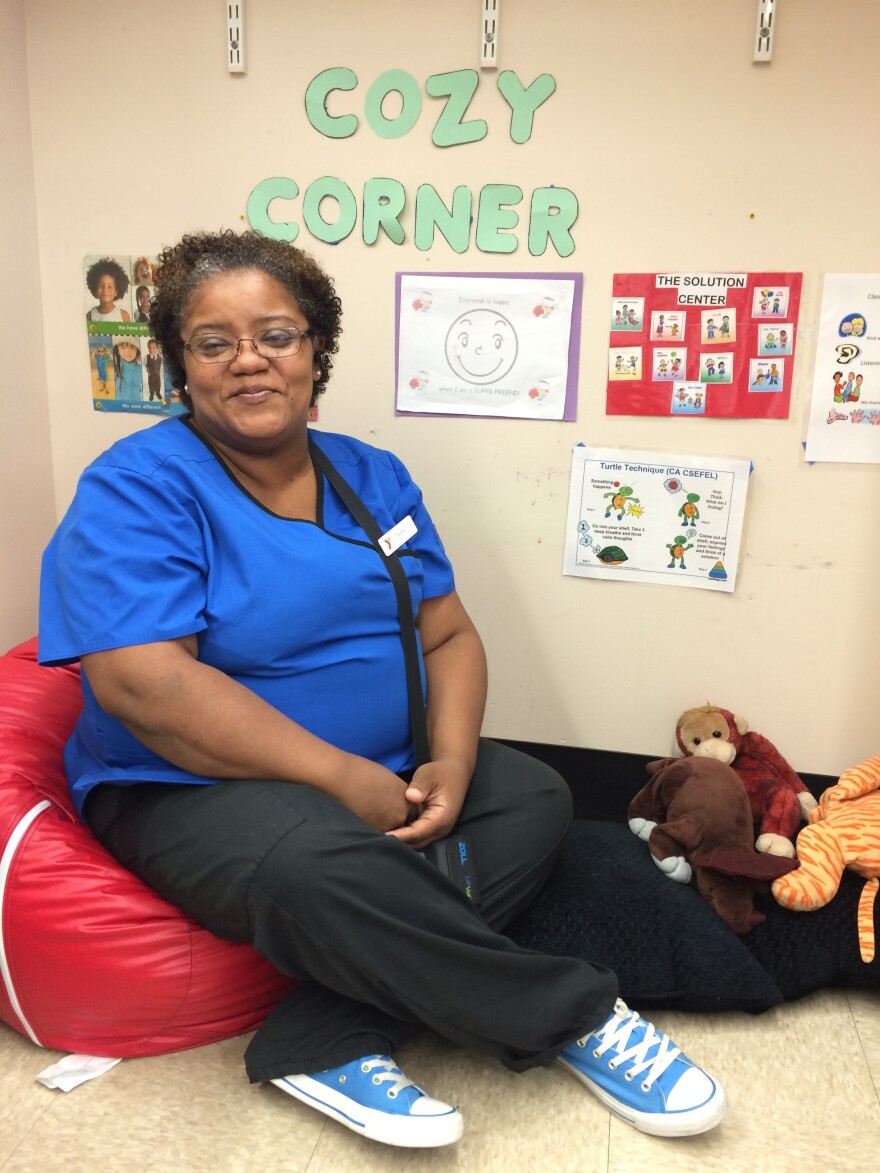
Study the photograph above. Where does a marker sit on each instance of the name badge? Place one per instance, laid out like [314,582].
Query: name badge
[397,535]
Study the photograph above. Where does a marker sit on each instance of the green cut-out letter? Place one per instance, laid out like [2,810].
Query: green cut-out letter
[329,187]
[554,210]
[432,213]
[276,188]
[411,96]
[317,92]
[384,200]
[458,88]
[524,102]
[494,218]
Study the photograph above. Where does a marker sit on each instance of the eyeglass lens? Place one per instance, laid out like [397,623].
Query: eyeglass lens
[277,342]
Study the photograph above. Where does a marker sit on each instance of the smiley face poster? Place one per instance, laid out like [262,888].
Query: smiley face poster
[486,344]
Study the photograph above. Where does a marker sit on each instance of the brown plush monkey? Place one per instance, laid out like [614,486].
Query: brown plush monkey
[779,800]
[695,816]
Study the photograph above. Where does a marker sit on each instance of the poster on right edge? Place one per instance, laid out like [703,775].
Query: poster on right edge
[845,409]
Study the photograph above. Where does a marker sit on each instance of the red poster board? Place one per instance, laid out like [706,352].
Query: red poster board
[720,345]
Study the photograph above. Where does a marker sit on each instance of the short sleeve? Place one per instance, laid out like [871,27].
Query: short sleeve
[126,566]
[439,578]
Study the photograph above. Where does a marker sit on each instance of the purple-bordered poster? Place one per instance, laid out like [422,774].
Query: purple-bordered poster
[488,344]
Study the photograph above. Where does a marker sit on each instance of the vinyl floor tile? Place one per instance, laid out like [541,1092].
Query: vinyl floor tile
[865,1007]
[22,1101]
[800,1095]
[192,1111]
[799,1083]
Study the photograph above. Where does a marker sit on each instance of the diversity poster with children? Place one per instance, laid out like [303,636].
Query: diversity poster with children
[488,344]
[720,345]
[126,366]
[845,409]
[655,518]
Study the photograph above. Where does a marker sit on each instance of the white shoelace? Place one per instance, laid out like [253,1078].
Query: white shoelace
[615,1035]
[385,1070]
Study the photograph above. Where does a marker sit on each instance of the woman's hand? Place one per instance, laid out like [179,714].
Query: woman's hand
[437,790]
[456,670]
[376,795]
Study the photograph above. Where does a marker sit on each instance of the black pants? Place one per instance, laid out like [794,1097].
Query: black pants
[382,941]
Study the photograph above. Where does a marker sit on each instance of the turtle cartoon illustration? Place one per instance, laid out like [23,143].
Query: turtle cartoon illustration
[619,497]
[677,550]
[612,555]
[689,512]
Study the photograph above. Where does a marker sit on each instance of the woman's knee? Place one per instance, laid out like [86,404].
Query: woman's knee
[512,783]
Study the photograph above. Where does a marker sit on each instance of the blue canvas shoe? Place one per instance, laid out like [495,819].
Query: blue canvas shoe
[373,1097]
[642,1077]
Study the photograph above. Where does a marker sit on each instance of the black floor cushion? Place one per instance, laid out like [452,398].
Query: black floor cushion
[607,902]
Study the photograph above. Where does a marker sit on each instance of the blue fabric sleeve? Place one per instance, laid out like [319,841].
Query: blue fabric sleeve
[439,578]
[126,566]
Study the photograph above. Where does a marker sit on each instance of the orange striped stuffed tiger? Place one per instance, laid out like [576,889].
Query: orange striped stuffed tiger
[844,832]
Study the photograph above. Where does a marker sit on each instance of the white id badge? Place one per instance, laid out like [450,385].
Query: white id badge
[397,535]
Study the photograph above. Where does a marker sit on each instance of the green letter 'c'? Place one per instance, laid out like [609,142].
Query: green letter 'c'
[277,188]
[332,125]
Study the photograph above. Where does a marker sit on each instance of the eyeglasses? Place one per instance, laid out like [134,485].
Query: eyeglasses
[278,342]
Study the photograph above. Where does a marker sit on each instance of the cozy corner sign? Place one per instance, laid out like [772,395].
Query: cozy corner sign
[491,219]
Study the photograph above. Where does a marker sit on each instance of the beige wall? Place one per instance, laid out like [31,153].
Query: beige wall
[684,155]
[27,510]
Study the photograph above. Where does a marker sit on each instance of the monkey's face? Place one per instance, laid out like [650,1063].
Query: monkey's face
[705,733]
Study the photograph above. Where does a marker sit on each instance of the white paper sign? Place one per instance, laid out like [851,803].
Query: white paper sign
[845,409]
[656,518]
[485,345]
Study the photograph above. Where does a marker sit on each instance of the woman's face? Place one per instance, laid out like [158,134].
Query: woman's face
[251,404]
[106,289]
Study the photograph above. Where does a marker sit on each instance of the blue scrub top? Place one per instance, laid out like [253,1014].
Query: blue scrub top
[161,541]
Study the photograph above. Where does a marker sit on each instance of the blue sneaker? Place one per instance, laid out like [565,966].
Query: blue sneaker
[643,1078]
[373,1097]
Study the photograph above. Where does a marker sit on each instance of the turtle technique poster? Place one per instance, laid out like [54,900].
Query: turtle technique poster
[655,518]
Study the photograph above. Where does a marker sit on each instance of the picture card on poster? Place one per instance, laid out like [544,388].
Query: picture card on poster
[488,344]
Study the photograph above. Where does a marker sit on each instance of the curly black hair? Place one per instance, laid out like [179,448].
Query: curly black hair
[112,269]
[184,266]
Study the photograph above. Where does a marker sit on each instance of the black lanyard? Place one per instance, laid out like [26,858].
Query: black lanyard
[397,574]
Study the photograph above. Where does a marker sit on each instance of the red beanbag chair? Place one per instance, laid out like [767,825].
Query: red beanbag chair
[91,960]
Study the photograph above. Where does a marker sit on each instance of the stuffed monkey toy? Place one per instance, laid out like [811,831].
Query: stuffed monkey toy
[694,815]
[778,798]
